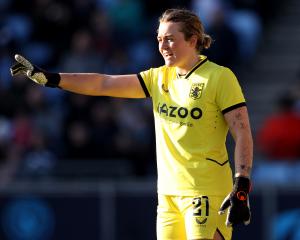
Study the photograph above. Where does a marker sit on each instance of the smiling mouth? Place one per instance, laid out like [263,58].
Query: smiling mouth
[168,55]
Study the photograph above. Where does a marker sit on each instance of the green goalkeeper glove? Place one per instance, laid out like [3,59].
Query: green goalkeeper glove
[237,203]
[26,68]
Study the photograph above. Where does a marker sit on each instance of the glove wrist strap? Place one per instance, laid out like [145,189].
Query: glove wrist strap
[242,183]
[53,79]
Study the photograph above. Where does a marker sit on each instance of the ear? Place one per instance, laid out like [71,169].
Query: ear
[193,41]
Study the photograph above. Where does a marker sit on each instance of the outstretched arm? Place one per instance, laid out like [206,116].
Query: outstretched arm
[95,84]
[127,86]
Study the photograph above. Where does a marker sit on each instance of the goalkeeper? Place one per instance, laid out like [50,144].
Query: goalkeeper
[195,103]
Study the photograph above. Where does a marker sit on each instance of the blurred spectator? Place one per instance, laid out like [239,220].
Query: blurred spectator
[236,31]
[224,49]
[81,11]
[134,129]
[266,9]
[14,97]
[17,28]
[39,161]
[52,23]
[129,22]
[101,30]
[22,128]
[10,164]
[82,55]
[103,129]
[279,137]
[5,136]
[78,107]
[76,131]
[118,57]
[44,115]
[78,141]
[207,10]
[247,26]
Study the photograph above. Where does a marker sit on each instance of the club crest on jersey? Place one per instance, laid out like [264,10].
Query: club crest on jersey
[196,90]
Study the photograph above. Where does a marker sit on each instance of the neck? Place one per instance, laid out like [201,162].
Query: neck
[190,63]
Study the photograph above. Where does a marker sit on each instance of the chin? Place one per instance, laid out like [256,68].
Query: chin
[169,63]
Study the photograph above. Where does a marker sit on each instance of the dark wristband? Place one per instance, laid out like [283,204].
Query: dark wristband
[242,184]
[53,79]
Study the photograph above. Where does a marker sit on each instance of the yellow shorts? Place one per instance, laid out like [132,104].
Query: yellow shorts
[182,218]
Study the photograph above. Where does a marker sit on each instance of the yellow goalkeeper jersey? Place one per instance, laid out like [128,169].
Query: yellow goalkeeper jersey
[190,127]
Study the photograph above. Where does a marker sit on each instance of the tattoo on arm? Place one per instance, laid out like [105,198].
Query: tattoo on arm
[245,169]
[240,130]
[239,118]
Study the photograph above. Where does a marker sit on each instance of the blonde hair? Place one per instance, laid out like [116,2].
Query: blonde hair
[190,25]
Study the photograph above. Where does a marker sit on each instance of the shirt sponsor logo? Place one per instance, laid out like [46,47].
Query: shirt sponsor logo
[178,112]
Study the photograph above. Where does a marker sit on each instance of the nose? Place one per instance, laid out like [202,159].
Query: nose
[164,45]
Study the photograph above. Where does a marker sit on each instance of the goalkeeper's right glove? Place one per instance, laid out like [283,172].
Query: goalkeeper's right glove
[26,68]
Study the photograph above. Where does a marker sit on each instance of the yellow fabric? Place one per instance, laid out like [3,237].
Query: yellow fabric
[190,127]
[182,218]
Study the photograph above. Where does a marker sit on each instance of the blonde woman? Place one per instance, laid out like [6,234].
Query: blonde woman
[195,103]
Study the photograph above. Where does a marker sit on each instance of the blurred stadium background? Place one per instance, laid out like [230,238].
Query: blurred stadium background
[78,167]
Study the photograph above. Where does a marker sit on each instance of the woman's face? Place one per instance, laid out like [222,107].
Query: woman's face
[175,50]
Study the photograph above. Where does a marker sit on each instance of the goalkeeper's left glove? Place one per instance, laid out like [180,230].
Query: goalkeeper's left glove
[36,74]
[237,203]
